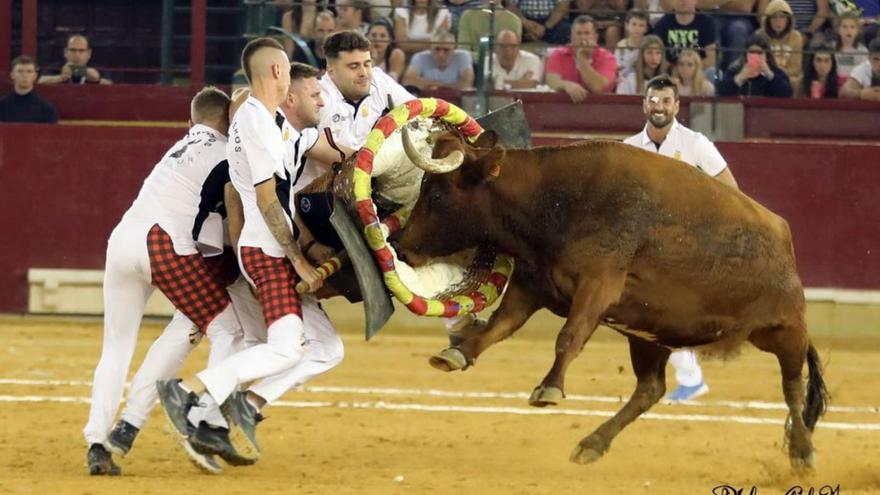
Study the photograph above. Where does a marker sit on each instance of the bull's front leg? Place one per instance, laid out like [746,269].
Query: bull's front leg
[516,308]
[594,294]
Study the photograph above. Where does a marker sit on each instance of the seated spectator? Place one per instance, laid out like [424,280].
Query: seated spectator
[457,8]
[383,49]
[583,67]
[474,24]
[543,20]
[23,104]
[786,43]
[353,15]
[607,15]
[76,69]
[851,52]
[685,28]
[442,66]
[870,19]
[415,26]
[324,25]
[821,79]
[864,80]
[627,50]
[513,68]
[755,73]
[651,63]
[688,75]
[810,17]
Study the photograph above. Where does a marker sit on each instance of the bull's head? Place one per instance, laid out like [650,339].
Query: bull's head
[455,201]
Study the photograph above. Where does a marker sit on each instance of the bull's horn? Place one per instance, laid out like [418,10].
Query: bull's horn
[434,165]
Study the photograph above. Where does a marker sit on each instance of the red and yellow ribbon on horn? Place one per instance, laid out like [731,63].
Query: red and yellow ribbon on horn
[471,302]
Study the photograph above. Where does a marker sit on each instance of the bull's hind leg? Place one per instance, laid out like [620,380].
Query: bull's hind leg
[649,365]
[516,308]
[792,347]
[595,293]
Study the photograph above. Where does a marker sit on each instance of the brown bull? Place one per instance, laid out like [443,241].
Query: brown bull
[607,233]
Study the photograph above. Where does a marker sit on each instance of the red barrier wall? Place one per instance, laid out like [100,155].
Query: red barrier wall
[63,188]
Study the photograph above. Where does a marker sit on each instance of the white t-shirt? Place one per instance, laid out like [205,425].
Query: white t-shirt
[258,149]
[525,62]
[862,74]
[417,25]
[686,145]
[195,167]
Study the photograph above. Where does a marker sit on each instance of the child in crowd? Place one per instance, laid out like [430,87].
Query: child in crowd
[651,63]
[778,26]
[849,47]
[627,50]
[688,75]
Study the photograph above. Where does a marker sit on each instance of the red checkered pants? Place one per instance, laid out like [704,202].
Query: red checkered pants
[187,281]
[275,280]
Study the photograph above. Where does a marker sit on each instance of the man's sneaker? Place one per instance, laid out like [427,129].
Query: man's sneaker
[176,402]
[122,437]
[242,418]
[683,393]
[215,440]
[101,462]
[207,463]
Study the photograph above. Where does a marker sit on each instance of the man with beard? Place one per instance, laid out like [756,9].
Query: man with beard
[663,134]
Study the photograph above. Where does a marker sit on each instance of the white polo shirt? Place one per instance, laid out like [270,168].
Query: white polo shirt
[349,121]
[258,149]
[862,73]
[686,145]
[184,187]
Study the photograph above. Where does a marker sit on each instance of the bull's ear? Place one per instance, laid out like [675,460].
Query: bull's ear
[487,167]
[488,139]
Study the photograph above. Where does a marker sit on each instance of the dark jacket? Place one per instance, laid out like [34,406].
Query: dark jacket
[779,86]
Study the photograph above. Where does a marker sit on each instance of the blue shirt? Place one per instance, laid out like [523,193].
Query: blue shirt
[424,65]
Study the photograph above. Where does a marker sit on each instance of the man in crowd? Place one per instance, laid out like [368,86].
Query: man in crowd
[76,70]
[584,67]
[685,28]
[325,25]
[864,80]
[23,104]
[513,68]
[543,20]
[441,66]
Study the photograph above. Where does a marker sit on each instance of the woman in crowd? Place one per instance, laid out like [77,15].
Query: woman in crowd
[821,79]
[650,63]
[386,55]
[755,73]
[688,74]
[416,23]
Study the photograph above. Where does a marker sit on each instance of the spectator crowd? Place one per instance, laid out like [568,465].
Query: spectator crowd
[776,48]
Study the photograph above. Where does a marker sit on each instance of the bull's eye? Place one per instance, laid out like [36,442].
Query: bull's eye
[436,197]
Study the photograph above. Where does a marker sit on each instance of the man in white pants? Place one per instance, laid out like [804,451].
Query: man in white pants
[269,256]
[663,134]
[323,349]
[154,245]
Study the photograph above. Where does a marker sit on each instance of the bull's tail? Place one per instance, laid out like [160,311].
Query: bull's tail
[817,394]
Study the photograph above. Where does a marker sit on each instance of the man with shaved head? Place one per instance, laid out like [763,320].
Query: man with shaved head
[513,68]
[76,70]
[268,253]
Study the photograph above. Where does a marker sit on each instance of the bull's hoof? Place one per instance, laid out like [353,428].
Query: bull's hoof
[804,465]
[545,396]
[450,359]
[589,450]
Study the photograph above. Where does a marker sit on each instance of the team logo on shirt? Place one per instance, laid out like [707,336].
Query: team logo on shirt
[287,134]
[677,155]
[305,205]
[365,112]
[336,117]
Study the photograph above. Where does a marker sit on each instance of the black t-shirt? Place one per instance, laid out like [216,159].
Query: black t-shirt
[27,108]
[699,34]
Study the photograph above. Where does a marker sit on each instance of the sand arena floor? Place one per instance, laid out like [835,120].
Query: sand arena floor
[384,422]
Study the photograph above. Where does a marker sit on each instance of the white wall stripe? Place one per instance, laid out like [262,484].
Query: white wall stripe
[382,405]
[757,405]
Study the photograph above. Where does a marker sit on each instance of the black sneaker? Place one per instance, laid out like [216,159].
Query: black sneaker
[176,402]
[209,440]
[122,437]
[101,462]
[207,463]
[242,418]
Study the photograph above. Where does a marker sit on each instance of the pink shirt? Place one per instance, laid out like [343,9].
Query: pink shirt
[562,62]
